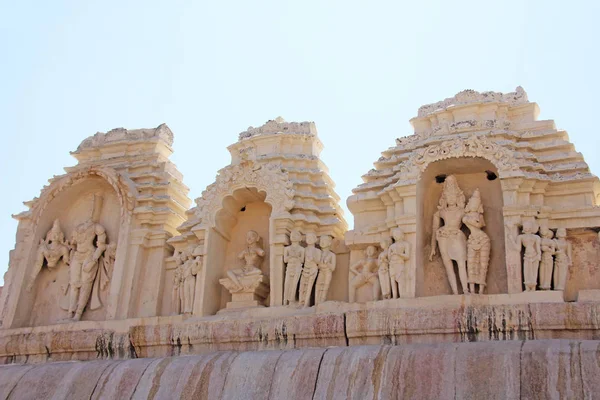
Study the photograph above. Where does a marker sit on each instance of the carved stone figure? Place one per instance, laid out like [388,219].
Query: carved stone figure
[548,246]
[312,258]
[293,256]
[386,280]
[399,255]
[326,268]
[51,249]
[189,269]
[564,258]
[478,244]
[252,256]
[366,272]
[88,243]
[176,293]
[451,240]
[532,256]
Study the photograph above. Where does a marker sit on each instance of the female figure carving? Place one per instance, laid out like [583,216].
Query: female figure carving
[399,254]
[365,272]
[326,268]
[312,258]
[478,244]
[563,259]
[386,280]
[293,256]
[532,256]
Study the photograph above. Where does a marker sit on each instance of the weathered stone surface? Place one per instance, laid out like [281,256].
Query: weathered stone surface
[536,369]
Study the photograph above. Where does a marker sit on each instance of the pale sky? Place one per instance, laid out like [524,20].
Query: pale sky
[359,69]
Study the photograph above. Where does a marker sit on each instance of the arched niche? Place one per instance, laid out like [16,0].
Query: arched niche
[72,205]
[471,173]
[245,209]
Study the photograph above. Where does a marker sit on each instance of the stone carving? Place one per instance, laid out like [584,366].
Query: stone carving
[121,135]
[386,279]
[312,259]
[187,271]
[293,257]
[247,285]
[503,158]
[563,259]
[519,96]
[326,267]
[52,249]
[548,247]
[365,272]
[478,244]
[87,274]
[533,254]
[269,178]
[279,125]
[252,256]
[399,255]
[451,240]
[176,292]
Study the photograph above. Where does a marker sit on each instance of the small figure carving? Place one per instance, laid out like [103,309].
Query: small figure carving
[293,256]
[312,258]
[386,280]
[478,244]
[189,269]
[52,249]
[399,254]
[564,258]
[326,268]
[88,242]
[532,256]
[449,237]
[548,246]
[365,272]
[252,256]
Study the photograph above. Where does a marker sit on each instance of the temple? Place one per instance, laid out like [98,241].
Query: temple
[480,226]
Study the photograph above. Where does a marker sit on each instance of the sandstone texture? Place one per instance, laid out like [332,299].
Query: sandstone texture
[539,369]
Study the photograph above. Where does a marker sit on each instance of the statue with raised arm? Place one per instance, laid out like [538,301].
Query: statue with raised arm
[88,242]
[563,259]
[399,255]
[386,280]
[548,246]
[533,254]
[449,237]
[312,258]
[252,256]
[478,244]
[51,249]
[365,273]
[293,257]
[326,268]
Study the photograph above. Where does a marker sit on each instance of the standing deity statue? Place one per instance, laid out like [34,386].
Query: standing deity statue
[532,256]
[88,242]
[564,258]
[399,255]
[293,256]
[451,240]
[366,272]
[189,269]
[252,256]
[51,249]
[176,294]
[326,268]
[548,246]
[312,258]
[386,280]
[478,244]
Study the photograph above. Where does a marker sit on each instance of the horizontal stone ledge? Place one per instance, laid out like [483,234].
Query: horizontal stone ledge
[541,369]
[278,328]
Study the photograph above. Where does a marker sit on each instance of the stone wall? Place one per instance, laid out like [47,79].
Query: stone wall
[541,369]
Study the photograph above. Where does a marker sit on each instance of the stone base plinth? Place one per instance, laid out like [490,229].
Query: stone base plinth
[589,295]
[254,290]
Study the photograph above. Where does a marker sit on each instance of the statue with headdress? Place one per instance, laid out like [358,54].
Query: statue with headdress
[449,237]
[478,244]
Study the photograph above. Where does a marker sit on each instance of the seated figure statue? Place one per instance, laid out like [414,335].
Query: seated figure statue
[252,256]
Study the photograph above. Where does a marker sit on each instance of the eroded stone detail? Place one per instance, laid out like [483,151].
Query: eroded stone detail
[51,249]
[312,259]
[365,273]
[327,265]
[293,257]
[478,244]
[402,277]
